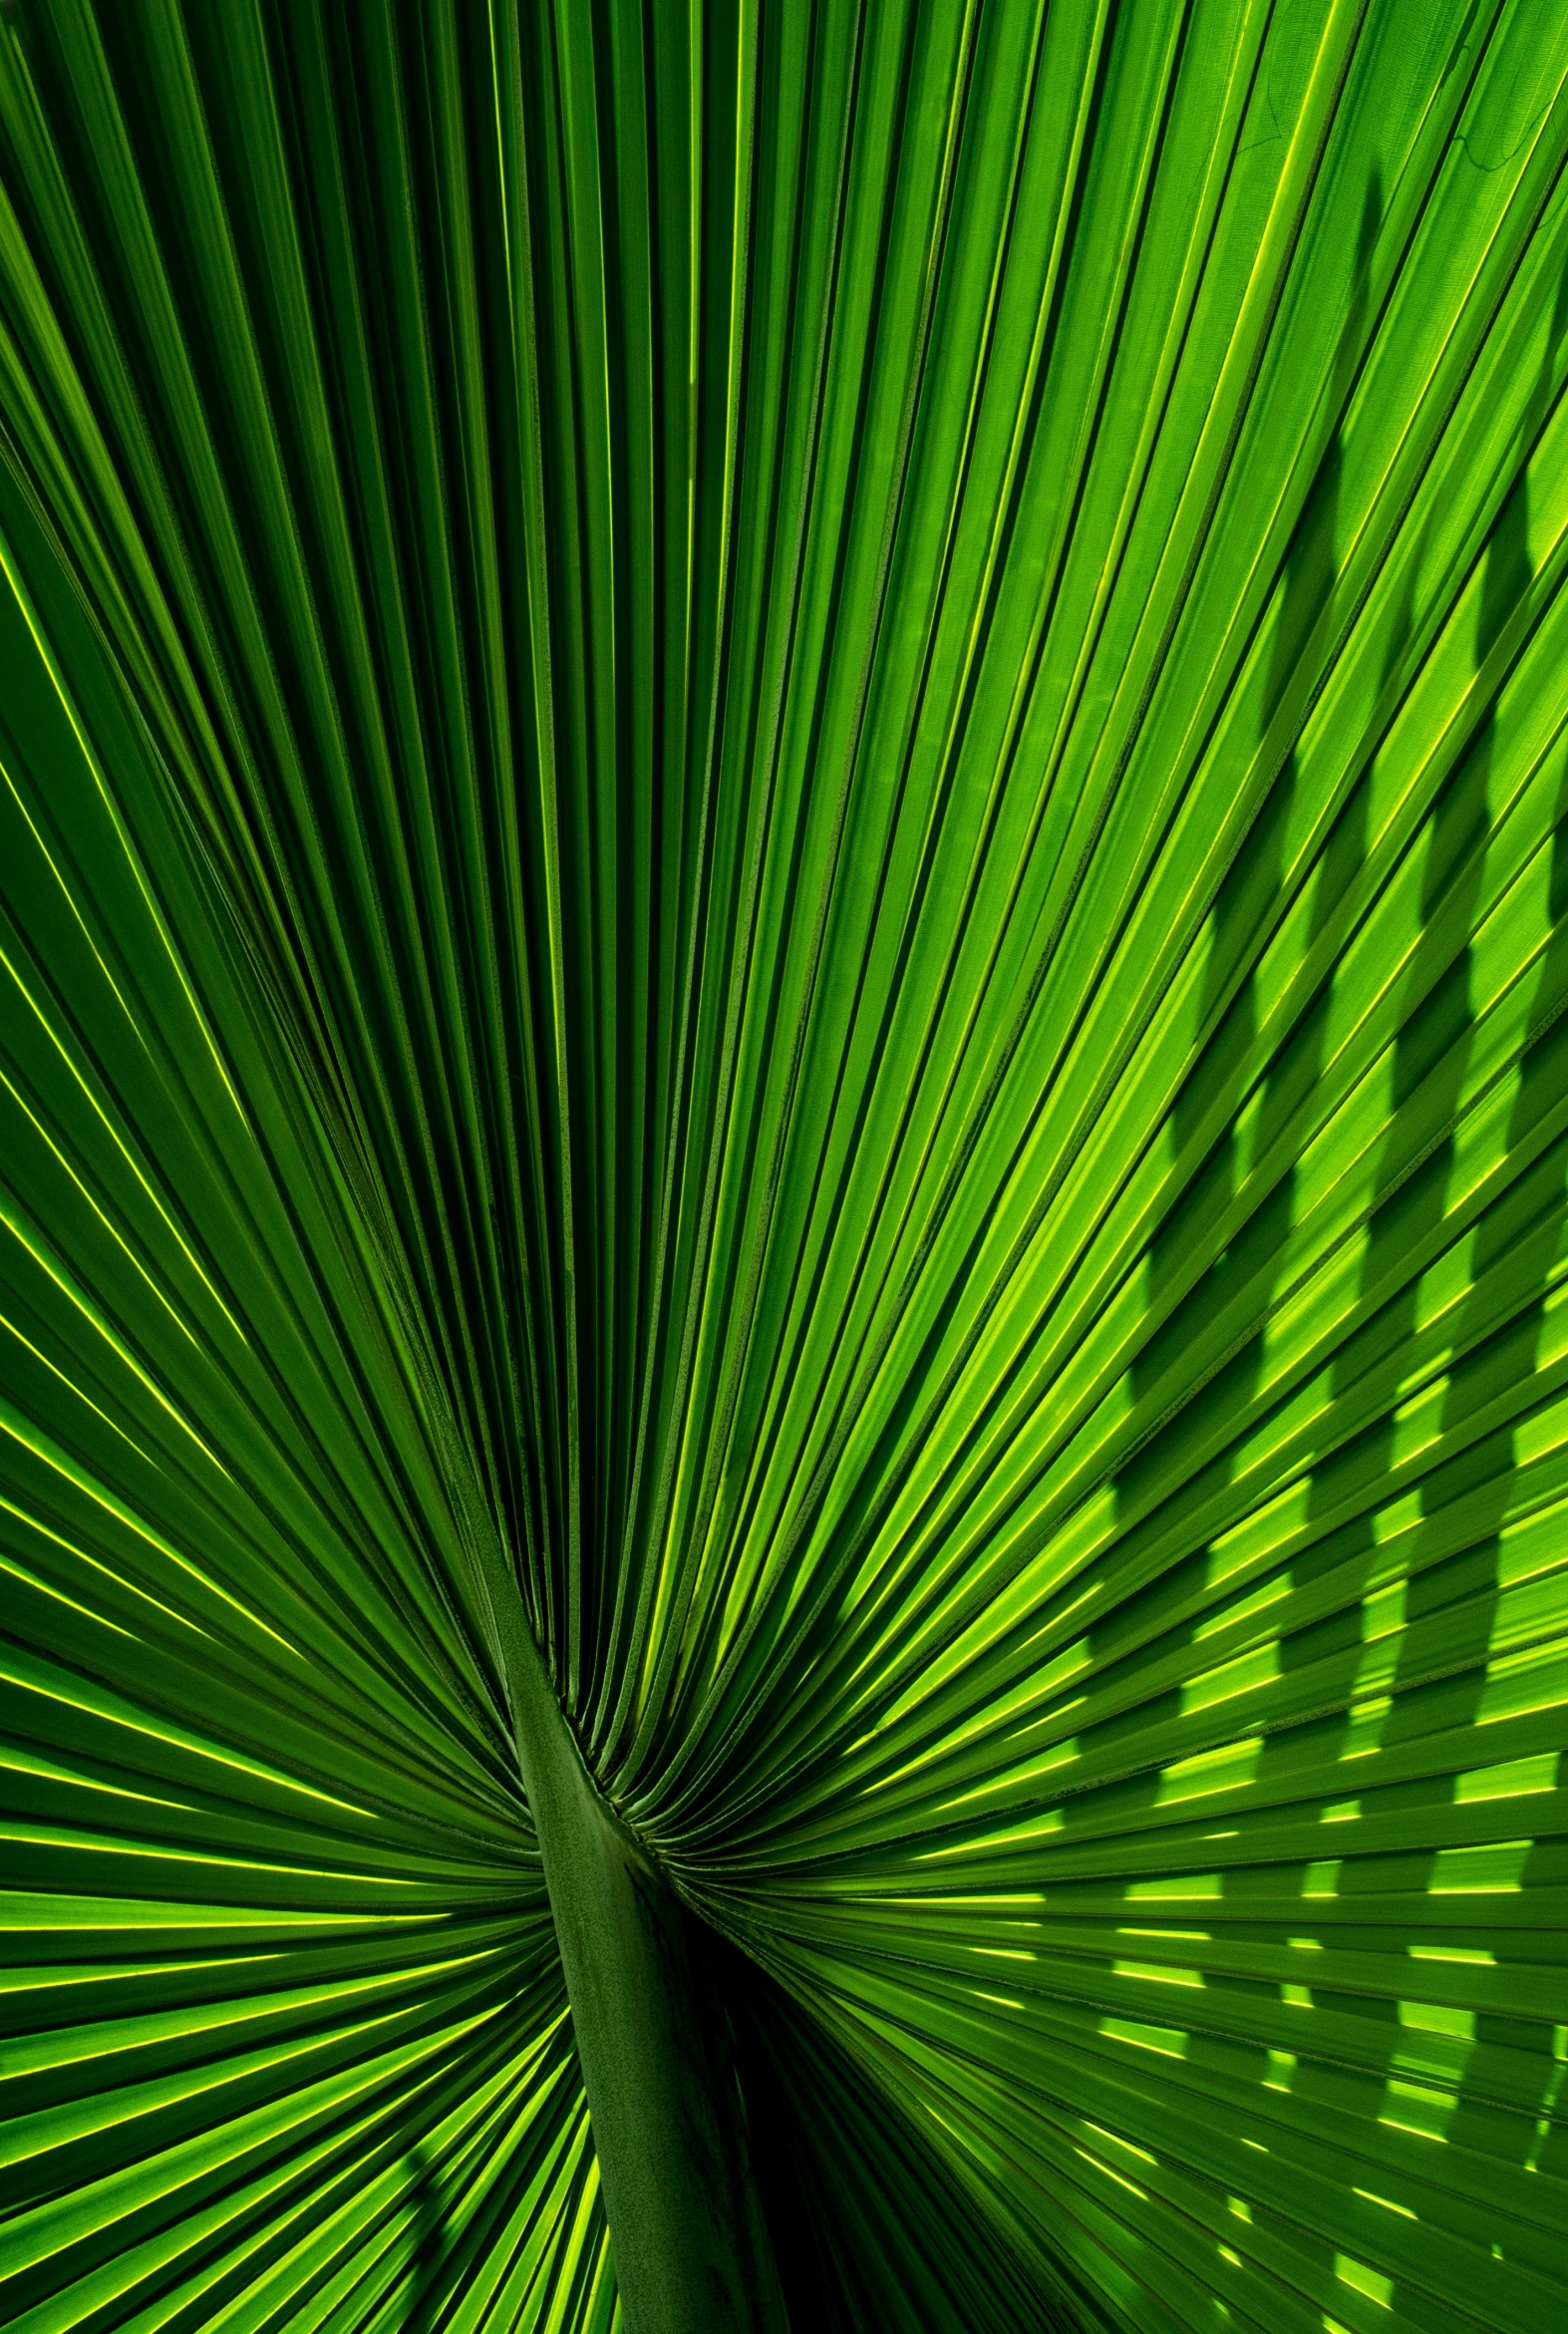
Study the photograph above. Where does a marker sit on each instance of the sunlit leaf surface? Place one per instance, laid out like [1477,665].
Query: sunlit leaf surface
[783,804]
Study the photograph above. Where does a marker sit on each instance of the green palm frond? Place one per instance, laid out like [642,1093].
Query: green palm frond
[785,931]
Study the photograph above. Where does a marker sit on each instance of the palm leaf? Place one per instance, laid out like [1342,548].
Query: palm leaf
[784,910]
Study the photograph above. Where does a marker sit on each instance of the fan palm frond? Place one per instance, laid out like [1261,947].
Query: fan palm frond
[784,1165]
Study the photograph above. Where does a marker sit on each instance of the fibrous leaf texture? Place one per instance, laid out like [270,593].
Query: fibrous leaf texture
[783,923]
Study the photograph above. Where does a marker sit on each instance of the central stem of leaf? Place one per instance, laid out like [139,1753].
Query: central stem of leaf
[691,2250]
